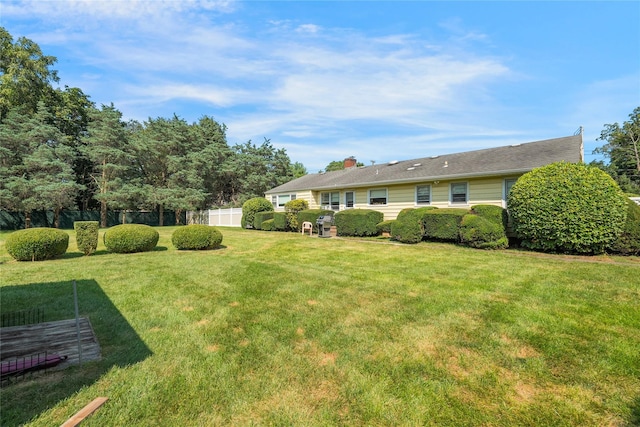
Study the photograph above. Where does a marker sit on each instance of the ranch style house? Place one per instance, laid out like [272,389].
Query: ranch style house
[451,180]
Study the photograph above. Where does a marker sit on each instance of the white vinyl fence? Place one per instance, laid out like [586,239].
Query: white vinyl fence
[223,217]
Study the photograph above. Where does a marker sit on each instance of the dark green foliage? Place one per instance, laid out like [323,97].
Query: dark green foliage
[129,238]
[443,224]
[196,237]
[628,243]
[312,215]
[261,217]
[493,213]
[385,226]
[251,207]
[409,226]
[292,208]
[279,221]
[86,236]
[565,207]
[267,225]
[480,232]
[358,222]
[37,244]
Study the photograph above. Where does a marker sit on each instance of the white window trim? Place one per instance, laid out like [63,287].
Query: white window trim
[329,206]
[451,202]
[386,191]
[415,194]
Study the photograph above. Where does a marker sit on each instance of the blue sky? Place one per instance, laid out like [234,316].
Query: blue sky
[326,80]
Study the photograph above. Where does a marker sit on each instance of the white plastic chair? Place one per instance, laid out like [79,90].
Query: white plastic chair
[307,226]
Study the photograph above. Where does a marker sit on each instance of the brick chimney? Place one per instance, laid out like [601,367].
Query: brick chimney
[349,162]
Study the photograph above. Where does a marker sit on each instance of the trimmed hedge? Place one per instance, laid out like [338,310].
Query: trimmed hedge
[292,208]
[37,244]
[87,236]
[251,207]
[409,226]
[628,243]
[267,225]
[312,216]
[279,221]
[567,207]
[196,237]
[261,217]
[385,226]
[130,238]
[358,222]
[482,233]
[443,224]
[493,213]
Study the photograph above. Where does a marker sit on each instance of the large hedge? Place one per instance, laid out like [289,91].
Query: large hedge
[129,238]
[358,222]
[628,242]
[251,207]
[443,224]
[37,244]
[196,237]
[482,233]
[409,226]
[87,236]
[279,221]
[567,207]
[261,217]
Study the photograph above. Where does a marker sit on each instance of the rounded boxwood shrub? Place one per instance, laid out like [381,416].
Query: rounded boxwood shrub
[267,225]
[37,244]
[479,232]
[443,224]
[358,222]
[567,207]
[86,236]
[385,226]
[409,226]
[129,238]
[251,207]
[261,217]
[196,237]
[628,243]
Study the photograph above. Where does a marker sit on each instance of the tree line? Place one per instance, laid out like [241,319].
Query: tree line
[58,150]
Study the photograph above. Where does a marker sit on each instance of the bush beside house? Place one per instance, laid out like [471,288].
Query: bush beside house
[358,222]
[567,207]
[443,224]
[628,242]
[261,217]
[251,207]
[291,209]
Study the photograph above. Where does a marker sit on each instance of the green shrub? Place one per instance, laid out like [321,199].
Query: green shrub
[443,224]
[409,226]
[37,244]
[628,243]
[251,207]
[267,225]
[480,232]
[312,215]
[86,236]
[358,222]
[292,208]
[493,213]
[385,226]
[566,207]
[261,217]
[279,221]
[196,237]
[129,238]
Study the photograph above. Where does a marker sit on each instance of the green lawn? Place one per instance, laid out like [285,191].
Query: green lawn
[281,329]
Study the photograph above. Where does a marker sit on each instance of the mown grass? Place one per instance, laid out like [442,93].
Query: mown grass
[281,329]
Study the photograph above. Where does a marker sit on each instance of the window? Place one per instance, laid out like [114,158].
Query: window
[508,183]
[284,198]
[423,194]
[459,192]
[349,199]
[330,200]
[378,197]
[274,201]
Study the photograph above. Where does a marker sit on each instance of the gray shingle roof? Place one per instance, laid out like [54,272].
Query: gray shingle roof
[512,159]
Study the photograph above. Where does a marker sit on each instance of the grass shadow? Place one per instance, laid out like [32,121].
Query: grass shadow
[120,345]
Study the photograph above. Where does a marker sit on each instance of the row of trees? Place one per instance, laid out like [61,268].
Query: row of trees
[59,151]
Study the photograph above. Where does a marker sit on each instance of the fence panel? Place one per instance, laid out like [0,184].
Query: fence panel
[231,217]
